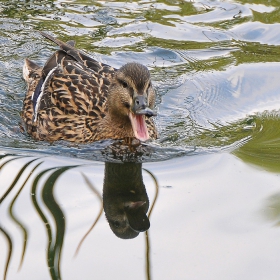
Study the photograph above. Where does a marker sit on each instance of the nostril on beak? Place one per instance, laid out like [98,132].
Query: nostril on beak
[140,102]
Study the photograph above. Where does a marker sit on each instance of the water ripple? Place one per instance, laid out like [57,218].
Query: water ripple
[215,64]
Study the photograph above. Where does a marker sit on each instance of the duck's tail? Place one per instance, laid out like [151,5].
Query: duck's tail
[53,39]
[57,41]
[32,75]
[68,48]
[30,68]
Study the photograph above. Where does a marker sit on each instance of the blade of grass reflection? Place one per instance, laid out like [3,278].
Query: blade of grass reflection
[10,155]
[98,216]
[148,249]
[16,220]
[3,156]
[54,251]
[3,164]
[16,179]
[10,245]
[5,195]
[157,190]
[36,204]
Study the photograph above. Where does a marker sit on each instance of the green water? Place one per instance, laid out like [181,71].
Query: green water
[206,59]
[215,66]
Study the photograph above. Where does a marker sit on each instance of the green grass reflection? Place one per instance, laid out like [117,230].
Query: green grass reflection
[263,148]
[30,173]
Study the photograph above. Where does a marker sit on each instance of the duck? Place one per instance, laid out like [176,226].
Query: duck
[74,97]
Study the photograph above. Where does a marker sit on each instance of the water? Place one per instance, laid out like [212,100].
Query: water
[215,67]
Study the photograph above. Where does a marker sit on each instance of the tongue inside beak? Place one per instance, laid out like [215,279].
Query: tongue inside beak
[139,126]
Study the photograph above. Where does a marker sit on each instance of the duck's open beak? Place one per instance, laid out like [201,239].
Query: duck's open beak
[136,215]
[137,117]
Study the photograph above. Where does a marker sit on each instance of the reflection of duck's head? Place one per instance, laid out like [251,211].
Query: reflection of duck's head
[125,199]
[127,219]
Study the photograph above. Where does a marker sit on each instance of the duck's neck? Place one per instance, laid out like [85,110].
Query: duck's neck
[115,127]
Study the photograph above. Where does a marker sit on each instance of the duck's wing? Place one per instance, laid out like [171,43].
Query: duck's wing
[70,88]
[80,57]
[69,92]
[73,82]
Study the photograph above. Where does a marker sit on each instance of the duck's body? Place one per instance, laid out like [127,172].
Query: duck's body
[75,98]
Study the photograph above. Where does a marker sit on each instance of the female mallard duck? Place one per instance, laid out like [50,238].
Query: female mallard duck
[75,98]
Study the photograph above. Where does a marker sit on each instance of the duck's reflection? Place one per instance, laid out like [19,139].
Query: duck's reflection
[125,202]
[125,199]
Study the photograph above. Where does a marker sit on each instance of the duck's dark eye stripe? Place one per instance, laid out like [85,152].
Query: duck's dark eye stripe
[127,105]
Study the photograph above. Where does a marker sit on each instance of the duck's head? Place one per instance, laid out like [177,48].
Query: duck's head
[131,96]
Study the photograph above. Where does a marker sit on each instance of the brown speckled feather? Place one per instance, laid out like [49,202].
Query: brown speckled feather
[72,91]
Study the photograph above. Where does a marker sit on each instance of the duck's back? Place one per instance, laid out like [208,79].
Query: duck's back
[66,99]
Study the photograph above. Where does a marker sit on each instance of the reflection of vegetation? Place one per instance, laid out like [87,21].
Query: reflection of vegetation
[121,173]
[263,149]
[272,209]
[177,44]
[255,139]
[97,217]
[265,17]
[10,249]
[148,255]
[274,3]
[189,133]
[268,18]
[55,246]
[13,216]
[256,52]
[21,9]
[161,15]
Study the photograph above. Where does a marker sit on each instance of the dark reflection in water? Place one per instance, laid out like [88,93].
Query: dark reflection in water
[125,199]
[125,204]
[54,243]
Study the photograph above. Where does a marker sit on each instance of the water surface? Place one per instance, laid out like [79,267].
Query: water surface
[215,66]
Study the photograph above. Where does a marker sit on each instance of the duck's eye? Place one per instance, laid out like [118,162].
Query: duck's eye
[116,224]
[123,83]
